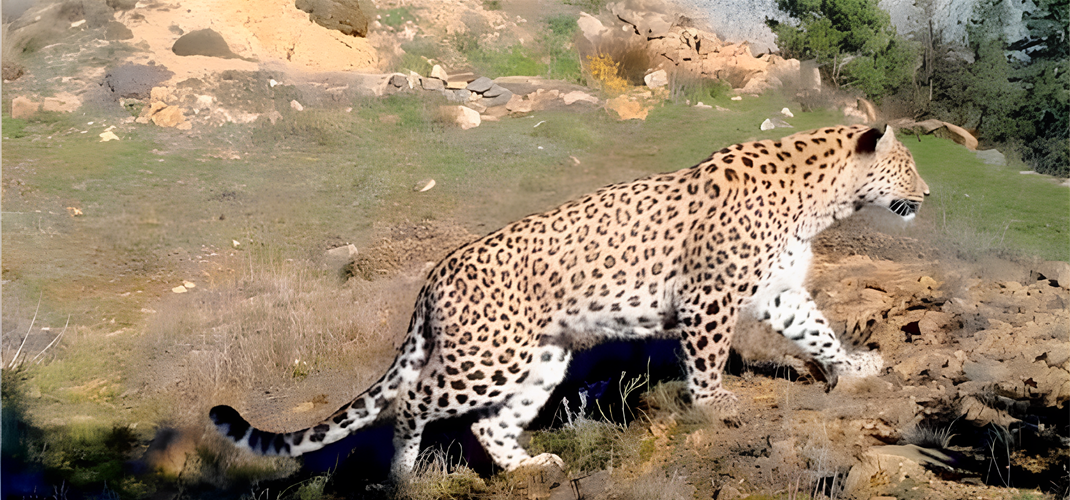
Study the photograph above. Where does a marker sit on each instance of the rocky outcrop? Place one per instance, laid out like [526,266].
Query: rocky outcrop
[341,15]
[669,43]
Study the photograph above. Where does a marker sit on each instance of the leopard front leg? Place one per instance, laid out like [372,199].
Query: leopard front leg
[793,314]
[706,336]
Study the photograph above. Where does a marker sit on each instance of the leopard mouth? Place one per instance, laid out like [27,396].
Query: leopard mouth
[904,208]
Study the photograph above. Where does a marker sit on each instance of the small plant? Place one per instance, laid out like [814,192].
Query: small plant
[492,5]
[436,478]
[606,74]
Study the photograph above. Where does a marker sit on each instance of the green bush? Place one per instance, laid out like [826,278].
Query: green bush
[853,42]
[1013,102]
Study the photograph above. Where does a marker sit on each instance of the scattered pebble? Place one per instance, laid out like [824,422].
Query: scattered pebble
[179,289]
[737,98]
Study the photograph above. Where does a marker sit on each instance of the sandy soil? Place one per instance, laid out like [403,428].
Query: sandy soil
[258,31]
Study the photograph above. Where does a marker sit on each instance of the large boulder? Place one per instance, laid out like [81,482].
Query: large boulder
[204,42]
[342,15]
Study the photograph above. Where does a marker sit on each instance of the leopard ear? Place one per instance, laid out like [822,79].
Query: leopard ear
[867,141]
[887,141]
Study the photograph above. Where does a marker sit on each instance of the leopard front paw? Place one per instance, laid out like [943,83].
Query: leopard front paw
[855,365]
[721,404]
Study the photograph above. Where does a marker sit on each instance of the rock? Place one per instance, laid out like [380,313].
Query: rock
[477,106]
[463,116]
[459,96]
[959,135]
[415,80]
[469,118]
[399,81]
[869,109]
[498,100]
[518,105]
[179,289]
[438,72]
[928,126]
[591,28]
[656,79]
[161,94]
[645,23]
[296,106]
[495,90]
[108,136]
[542,97]
[204,42]
[336,259]
[627,109]
[115,31]
[480,85]
[433,84]
[1056,270]
[170,116]
[494,113]
[700,105]
[22,107]
[787,112]
[885,468]
[345,16]
[459,80]
[578,96]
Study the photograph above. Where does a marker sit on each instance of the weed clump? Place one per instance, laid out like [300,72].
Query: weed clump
[606,74]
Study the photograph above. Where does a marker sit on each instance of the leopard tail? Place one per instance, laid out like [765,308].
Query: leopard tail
[362,411]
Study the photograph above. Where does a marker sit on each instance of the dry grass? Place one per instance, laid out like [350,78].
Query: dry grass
[274,324]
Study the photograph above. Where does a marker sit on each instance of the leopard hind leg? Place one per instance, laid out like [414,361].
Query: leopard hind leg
[499,431]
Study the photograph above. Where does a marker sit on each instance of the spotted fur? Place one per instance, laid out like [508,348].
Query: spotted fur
[679,254]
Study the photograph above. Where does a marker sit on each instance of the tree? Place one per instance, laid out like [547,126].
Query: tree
[853,41]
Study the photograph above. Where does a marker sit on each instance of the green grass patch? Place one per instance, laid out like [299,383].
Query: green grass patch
[510,61]
[396,17]
[982,207]
[585,446]
[557,44]
[14,128]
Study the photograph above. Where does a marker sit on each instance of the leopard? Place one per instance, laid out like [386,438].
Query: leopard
[680,255]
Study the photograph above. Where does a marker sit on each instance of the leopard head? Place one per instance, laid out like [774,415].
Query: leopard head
[888,176]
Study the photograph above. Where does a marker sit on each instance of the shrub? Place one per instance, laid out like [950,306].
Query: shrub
[1013,102]
[853,42]
[606,73]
